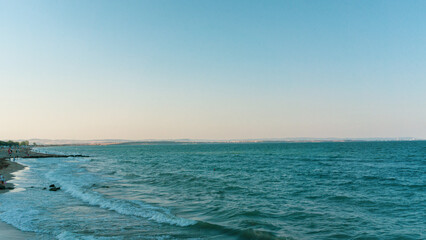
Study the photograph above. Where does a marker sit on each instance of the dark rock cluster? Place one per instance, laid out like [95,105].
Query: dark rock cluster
[54,188]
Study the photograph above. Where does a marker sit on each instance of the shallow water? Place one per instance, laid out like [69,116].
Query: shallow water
[354,190]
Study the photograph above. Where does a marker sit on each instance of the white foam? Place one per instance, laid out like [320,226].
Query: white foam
[78,188]
[20,218]
[35,209]
[125,207]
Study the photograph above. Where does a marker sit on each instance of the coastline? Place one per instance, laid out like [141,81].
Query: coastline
[11,233]
[7,168]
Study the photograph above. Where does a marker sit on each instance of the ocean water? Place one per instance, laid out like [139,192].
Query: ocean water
[352,190]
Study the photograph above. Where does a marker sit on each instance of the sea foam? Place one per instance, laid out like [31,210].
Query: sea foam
[78,188]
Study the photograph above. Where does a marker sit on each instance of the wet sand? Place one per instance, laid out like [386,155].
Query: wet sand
[6,169]
[10,233]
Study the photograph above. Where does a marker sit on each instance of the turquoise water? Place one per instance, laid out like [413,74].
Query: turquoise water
[353,190]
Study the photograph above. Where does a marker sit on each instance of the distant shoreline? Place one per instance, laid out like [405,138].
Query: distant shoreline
[53,143]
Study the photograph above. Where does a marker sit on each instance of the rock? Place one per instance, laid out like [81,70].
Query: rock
[54,189]
[2,187]
[44,188]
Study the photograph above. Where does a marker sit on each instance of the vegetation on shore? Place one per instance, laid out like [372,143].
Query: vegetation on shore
[12,143]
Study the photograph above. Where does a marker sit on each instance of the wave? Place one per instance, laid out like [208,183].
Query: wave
[125,207]
[246,234]
[20,218]
[79,188]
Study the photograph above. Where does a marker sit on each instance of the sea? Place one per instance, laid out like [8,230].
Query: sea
[322,190]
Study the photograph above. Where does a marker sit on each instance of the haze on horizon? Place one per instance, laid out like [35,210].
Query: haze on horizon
[212,69]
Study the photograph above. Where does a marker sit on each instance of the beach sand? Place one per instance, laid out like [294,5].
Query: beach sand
[7,169]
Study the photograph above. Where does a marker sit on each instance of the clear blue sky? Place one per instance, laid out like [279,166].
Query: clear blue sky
[212,69]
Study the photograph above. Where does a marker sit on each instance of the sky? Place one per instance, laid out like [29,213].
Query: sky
[212,69]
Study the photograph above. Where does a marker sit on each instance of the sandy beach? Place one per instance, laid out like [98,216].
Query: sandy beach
[9,166]
[6,169]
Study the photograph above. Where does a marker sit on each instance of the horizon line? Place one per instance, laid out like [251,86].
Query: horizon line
[289,139]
